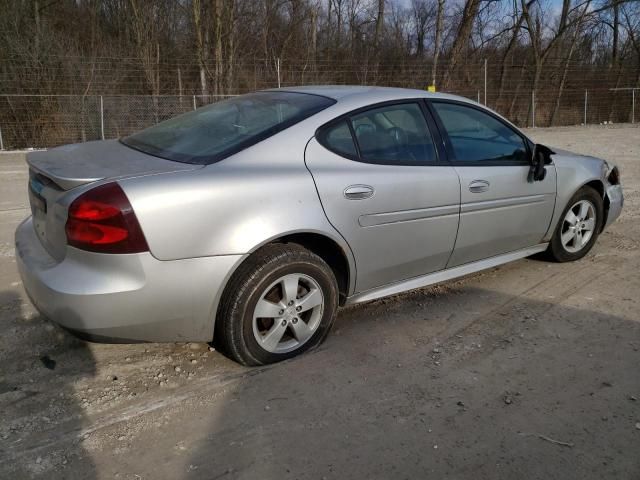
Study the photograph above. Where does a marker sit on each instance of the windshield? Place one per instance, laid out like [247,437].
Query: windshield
[221,129]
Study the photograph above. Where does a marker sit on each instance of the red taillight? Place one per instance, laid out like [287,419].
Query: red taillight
[102,220]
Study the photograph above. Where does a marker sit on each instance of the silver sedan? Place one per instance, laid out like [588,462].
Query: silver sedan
[249,221]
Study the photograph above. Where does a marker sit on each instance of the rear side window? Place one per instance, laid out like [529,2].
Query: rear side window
[394,134]
[338,138]
[476,136]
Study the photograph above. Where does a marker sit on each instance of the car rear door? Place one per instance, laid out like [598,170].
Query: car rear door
[501,210]
[384,189]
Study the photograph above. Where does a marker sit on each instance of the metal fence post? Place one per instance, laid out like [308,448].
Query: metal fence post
[194,103]
[278,70]
[101,117]
[478,96]
[586,94]
[633,105]
[485,82]
[533,108]
[1,143]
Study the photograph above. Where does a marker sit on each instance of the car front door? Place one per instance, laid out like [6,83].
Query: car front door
[382,187]
[501,209]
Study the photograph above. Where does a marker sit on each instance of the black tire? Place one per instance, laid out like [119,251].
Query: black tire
[234,334]
[556,250]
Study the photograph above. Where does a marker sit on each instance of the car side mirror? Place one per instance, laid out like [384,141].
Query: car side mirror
[541,157]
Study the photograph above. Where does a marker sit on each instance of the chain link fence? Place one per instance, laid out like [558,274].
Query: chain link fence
[41,121]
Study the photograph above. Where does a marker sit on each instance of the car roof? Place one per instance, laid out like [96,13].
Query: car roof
[351,97]
[374,93]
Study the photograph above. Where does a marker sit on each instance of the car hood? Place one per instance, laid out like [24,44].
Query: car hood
[574,156]
[566,157]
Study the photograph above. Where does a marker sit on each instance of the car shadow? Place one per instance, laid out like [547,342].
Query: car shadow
[479,378]
[449,382]
[40,412]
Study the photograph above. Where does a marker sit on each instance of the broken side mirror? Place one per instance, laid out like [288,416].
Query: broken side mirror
[541,157]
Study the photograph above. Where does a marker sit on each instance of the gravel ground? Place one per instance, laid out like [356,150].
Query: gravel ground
[529,370]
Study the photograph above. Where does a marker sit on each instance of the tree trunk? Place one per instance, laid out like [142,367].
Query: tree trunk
[313,44]
[379,25]
[268,6]
[36,21]
[461,41]
[572,48]
[512,42]
[328,37]
[516,94]
[201,50]
[376,41]
[218,69]
[148,47]
[616,32]
[556,105]
[231,44]
[438,41]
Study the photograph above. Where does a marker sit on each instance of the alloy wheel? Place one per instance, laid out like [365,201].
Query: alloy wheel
[288,313]
[578,226]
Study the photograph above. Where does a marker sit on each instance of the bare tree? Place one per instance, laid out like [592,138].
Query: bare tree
[437,41]
[94,47]
[422,11]
[201,45]
[145,23]
[469,14]
[514,35]
[577,29]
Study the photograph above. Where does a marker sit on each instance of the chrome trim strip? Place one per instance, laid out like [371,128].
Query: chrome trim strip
[443,275]
[374,219]
[502,202]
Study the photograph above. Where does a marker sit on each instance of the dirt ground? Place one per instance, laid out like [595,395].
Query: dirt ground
[530,370]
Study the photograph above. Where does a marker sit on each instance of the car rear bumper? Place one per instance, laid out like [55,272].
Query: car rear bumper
[133,297]
[616,201]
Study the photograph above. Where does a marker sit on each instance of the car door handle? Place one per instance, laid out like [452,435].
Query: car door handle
[479,186]
[358,192]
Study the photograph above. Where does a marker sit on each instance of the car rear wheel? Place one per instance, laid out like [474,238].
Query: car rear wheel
[280,303]
[578,227]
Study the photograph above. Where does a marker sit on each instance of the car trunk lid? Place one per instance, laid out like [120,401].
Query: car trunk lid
[73,165]
[53,173]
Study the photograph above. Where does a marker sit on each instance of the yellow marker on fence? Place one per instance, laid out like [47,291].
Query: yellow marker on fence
[431,88]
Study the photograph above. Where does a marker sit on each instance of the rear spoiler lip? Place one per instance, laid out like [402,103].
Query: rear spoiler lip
[74,165]
[65,183]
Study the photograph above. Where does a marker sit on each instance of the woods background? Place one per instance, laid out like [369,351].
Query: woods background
[76,70]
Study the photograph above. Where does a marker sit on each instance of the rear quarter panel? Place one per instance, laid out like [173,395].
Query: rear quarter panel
[231,207]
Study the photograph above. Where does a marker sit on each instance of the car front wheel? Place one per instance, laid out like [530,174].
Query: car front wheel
[280,303]
[578,227]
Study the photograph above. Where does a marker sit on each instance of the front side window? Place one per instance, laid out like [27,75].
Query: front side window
[218,130]
[476,136]
[394,135]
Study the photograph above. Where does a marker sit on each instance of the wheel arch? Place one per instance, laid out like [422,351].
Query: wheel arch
[331,252]
[336,253]
[339,259]
[562,200]
[596,184]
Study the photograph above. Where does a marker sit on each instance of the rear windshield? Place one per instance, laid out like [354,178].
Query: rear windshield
[221,129]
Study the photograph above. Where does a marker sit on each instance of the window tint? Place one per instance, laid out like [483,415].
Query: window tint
[394,135]
[213,132]
[338,138]
[476,136]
